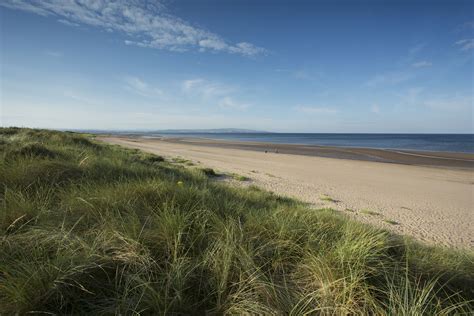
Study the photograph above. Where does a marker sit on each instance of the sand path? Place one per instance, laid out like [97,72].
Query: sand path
[434,205]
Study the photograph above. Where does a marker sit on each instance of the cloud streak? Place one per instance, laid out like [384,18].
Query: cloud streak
[390,78]
[316,110]
[55,54]
[453,103]
[213,91]
[466,44]
[230,103]
[205,88]
[375,109]
[141,87]
[145,24]
[422,64]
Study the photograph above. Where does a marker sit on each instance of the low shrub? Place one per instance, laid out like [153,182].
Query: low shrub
[209,172]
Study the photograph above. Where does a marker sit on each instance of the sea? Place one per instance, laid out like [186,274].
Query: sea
[462,143]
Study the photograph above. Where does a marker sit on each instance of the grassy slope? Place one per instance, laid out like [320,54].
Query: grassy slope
[91,228]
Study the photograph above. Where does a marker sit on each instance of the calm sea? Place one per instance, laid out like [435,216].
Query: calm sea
[424,142]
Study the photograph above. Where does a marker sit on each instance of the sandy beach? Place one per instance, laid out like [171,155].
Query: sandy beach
[429,196]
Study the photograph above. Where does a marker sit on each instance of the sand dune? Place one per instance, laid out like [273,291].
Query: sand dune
[432,204]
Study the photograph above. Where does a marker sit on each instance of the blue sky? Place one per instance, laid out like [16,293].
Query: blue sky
[296,66]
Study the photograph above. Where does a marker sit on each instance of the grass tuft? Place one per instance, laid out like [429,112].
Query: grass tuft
[327,198]
[208,172]
[370,212]
[180,160]
[239,177]
[33,150]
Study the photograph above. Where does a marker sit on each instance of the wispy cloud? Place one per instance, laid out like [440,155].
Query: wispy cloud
[416,48]
[375,109]
[302,74]
[316,110]
[141,87]
[447,103]
[410,97]
[211,91]
[52,53]
[466,44]
[206,88]
[403,73]
[82,99]
[422,64]
[469,24]
[390,78]
[413,53]
[230,103]
[145,23]
[66,22]
[450,103]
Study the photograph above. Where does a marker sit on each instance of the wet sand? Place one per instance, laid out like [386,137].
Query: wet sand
[420,158]
[428,196]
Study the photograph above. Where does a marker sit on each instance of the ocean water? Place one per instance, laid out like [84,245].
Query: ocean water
[463,143]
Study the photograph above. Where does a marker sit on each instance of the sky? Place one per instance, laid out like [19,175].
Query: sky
[284,66]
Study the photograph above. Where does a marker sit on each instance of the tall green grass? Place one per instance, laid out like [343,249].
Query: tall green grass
[88,228]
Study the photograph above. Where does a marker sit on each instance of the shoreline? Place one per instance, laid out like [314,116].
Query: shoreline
[431,203]
[393,156]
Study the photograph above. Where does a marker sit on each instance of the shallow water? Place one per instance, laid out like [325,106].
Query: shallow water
[420,142]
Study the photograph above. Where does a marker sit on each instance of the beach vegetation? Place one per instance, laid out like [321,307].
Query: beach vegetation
[209,172]
[370,212]
[239,177]
[148,158]
[90,228]
[327,198]
[180,160]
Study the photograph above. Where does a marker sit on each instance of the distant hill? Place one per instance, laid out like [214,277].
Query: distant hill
[215,130]
[175,131]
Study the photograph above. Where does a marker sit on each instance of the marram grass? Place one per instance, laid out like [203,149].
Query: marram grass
[88,228]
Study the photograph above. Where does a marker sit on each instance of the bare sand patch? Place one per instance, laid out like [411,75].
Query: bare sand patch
[432,204]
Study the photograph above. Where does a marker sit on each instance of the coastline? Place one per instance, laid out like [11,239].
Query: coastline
[405,157]
[432,203]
